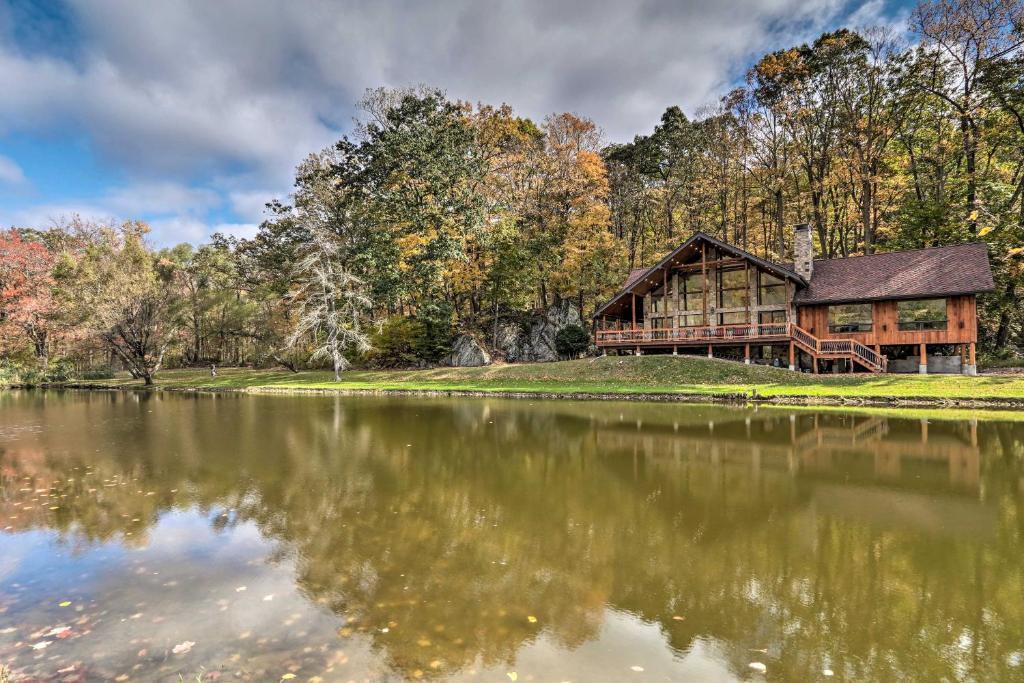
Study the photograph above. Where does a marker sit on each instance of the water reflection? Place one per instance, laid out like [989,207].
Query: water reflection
[473,538]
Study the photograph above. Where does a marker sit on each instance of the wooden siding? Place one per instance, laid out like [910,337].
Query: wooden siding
[961,314]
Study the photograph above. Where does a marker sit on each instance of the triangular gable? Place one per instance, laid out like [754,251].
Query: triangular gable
[639,280]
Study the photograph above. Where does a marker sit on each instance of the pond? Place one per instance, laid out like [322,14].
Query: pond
[161,537]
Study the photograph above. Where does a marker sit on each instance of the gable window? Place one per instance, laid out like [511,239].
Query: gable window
[732,289]
[849,318]
[692,296]
[922,314]
[770,290]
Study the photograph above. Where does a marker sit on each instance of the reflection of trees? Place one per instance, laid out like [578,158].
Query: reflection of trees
[450,522]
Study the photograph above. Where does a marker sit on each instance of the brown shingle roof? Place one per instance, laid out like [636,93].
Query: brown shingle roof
[936,271]
[634,275]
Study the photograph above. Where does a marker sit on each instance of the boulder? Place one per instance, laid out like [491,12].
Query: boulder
[467,353]
[511,341]
[544,327]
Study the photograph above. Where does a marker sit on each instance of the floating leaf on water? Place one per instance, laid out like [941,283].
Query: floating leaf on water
[758,666]
[41,645]
[512,676]
[678,618]
[532,619]
[57,630]
[636,668]
[183,647]
[65,603]
[287,677]
[828,672]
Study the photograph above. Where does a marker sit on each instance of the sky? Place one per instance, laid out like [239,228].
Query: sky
[192,115]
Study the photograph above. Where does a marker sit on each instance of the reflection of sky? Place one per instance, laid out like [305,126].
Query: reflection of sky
[135,605]
[132,606]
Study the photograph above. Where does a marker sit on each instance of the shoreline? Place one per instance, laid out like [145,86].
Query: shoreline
[993,403]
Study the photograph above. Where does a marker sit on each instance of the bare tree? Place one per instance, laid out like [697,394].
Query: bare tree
[330,297]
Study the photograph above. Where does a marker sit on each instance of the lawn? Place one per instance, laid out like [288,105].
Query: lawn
[617,375]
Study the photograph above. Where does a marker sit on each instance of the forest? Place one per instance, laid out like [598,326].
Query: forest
[437,217]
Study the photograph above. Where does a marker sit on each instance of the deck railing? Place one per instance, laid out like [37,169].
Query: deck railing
[742,333]
[640,335]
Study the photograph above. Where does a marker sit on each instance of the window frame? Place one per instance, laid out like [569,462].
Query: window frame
[721,289]
[927,325]
[851,328]
[761,289]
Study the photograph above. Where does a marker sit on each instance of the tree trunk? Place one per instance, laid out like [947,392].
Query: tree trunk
[970,159]
[866,213]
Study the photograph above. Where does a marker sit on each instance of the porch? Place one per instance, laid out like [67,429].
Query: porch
[639,338]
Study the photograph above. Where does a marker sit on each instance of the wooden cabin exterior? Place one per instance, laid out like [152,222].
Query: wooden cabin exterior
[854,313]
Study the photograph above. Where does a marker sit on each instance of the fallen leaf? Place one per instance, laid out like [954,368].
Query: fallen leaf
[65,603]
[532,619]
[287,677]
[512,675]
[636,668]
[42,645]
[183,647]
[828,672]
[758,666]
[678,618]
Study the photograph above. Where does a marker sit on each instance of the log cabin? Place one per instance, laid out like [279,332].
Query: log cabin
[904,311]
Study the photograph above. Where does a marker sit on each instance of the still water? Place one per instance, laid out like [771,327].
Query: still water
[147,537]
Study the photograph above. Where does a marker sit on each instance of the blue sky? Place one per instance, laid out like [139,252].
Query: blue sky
[192,115]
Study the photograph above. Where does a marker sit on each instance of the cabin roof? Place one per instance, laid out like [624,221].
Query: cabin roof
[930,272]
[913,274]
[635,281]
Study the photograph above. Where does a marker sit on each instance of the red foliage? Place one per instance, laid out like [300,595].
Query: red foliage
[26,283]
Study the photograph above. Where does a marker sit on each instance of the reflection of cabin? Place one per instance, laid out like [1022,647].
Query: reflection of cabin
[875,312]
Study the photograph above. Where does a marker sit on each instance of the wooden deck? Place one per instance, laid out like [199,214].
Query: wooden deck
[764,333]
[697,336]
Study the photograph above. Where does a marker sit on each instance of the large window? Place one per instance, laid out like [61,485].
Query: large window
[736,318]
[849,318]
[922,314]
[692,296]
[691,320]
[771,290]
[766,317]
[732,288]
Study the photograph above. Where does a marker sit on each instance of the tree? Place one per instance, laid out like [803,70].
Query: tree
[127,297]
[960,37]
[329,296]
[26,291]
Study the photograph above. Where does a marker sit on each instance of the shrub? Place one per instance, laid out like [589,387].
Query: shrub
[571,341]
[398,343]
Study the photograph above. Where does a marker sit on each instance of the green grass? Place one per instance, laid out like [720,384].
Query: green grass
[618,375]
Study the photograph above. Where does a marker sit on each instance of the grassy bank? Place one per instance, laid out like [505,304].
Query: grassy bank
[626,376]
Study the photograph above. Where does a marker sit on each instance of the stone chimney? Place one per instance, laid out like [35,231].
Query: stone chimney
[803,251]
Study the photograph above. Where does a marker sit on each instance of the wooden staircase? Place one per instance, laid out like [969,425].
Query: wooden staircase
[832,349]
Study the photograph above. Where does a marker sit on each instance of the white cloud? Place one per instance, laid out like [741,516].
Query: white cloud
[10,172]
[236,93]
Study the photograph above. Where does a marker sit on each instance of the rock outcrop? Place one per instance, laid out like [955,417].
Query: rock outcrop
[467,353]
[535,341]
[512,341]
